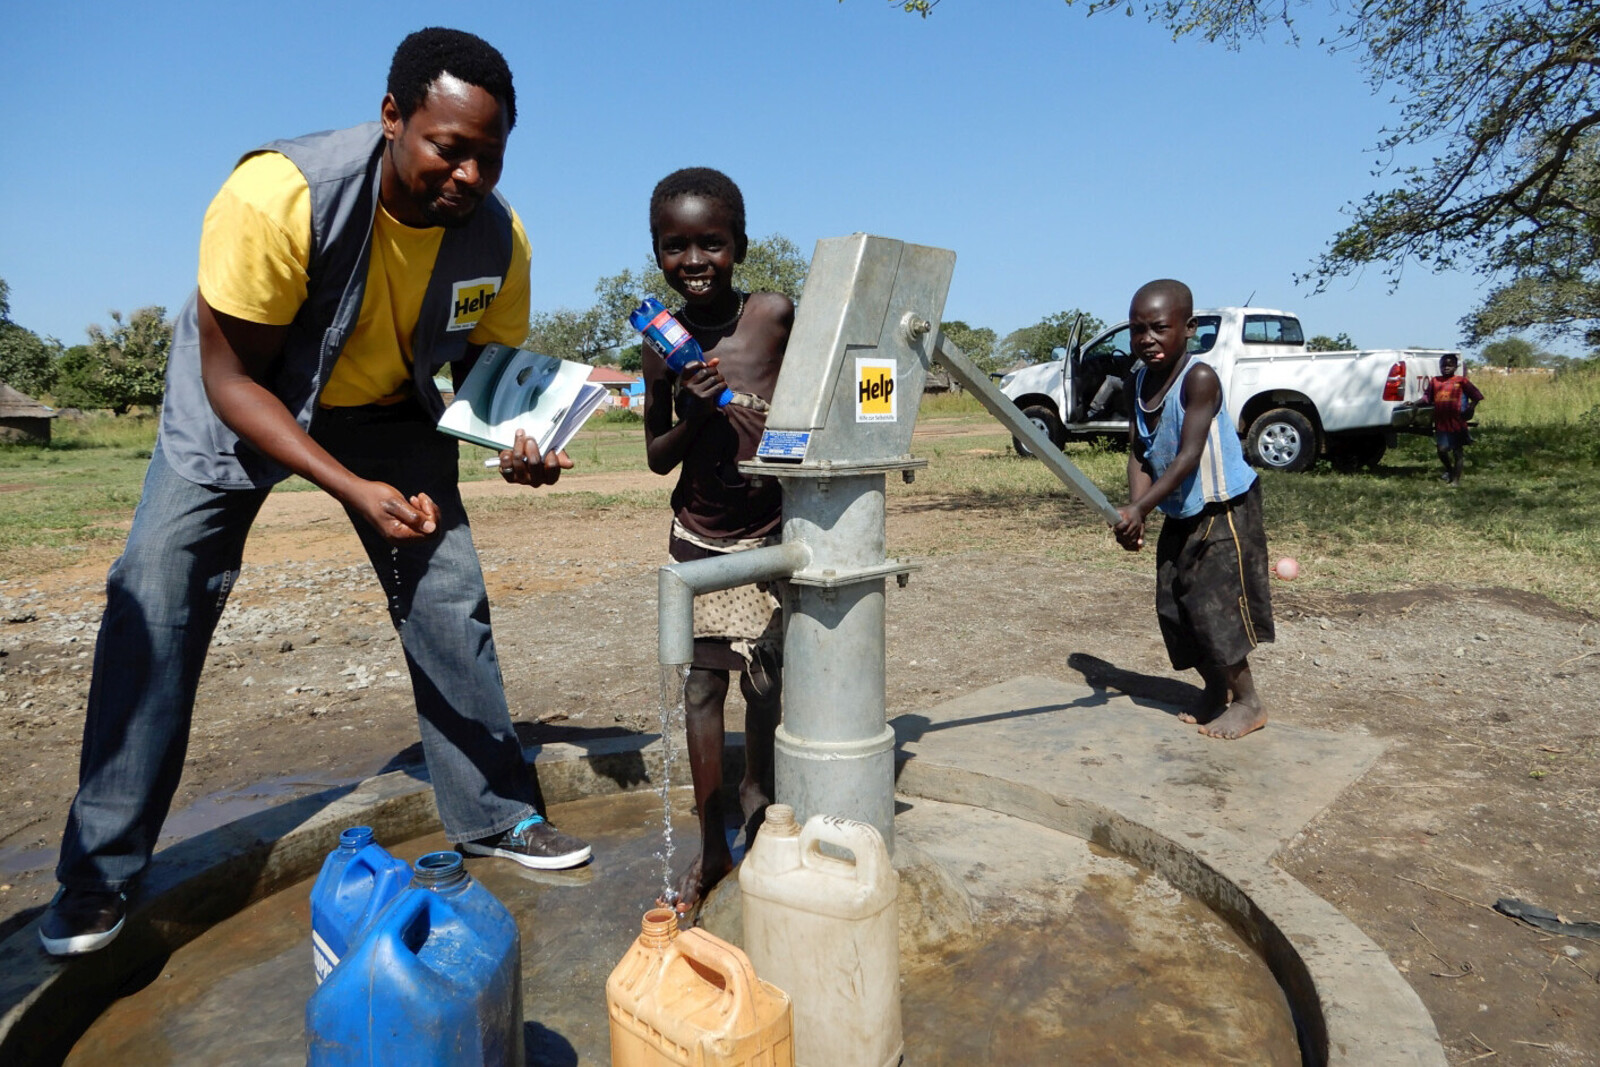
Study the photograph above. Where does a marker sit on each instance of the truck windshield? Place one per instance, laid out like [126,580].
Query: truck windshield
[1114,345]
[1272,330]
[1205,333]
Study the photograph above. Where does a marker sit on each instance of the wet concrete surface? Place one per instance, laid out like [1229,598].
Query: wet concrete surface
[1078,956]
[1074,956]
[206,813]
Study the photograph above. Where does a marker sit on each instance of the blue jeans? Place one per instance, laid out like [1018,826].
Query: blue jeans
[166,592]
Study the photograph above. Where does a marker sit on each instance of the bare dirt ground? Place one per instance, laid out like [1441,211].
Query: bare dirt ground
[1486,697]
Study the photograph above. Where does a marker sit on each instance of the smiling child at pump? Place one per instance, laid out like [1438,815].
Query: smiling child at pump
[698,230]
[1212,596]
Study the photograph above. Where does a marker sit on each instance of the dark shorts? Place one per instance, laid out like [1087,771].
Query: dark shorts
[1213,598]
[1450,440]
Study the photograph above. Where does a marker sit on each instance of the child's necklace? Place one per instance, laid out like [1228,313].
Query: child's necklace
[737,312]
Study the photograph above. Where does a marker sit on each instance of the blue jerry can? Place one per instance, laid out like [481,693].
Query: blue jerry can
[357,879]
[437,979]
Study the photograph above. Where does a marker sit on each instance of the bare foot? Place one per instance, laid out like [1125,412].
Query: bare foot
[1207,707]
[1238,720]
[696,881]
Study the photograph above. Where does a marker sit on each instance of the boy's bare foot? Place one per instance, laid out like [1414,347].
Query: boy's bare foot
[1240,719]
[1207,706]
[696,882]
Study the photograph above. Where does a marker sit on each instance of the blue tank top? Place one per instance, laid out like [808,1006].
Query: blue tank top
[1222,474]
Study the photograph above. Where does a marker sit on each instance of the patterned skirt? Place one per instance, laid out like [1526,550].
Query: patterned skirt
[733,628]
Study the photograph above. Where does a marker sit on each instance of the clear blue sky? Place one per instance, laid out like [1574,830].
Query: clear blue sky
[1065,159]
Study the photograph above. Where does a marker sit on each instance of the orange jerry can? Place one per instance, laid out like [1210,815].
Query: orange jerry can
[689,998]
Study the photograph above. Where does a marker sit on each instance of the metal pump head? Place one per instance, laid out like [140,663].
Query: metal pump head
[859,353]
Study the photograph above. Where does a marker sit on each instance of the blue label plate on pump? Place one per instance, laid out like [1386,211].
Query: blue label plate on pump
[788,445]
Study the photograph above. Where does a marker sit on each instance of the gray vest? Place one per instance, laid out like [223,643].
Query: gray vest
[342,170]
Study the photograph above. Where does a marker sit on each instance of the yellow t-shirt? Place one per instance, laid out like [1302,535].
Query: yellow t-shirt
[255,247]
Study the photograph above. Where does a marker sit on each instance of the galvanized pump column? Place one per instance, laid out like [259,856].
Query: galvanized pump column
[834,752]
[841,420]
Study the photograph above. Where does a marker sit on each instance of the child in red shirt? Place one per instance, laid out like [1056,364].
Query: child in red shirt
[1454,399]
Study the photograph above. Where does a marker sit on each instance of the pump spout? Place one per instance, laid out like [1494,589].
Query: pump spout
[679,582]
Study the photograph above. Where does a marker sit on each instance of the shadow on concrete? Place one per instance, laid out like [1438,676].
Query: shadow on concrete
[12,923]
[543,1047]
[1160,694]
[611,752]
[1147,690]
[911,727]
[1166,695]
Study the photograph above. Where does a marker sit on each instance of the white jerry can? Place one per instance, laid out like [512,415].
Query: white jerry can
[826,931]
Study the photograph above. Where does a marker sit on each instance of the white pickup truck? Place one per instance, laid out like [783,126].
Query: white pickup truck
[1289,404]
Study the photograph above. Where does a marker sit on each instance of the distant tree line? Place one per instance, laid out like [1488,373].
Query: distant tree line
[600,334]
[123,365]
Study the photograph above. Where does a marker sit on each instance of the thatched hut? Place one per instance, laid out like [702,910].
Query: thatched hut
[22,418]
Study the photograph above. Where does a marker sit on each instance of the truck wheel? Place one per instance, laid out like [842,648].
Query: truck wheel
[1350,454]
[1282,440]
[1046,420]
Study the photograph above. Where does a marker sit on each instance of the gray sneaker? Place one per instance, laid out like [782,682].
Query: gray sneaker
[532,843]
[82,920]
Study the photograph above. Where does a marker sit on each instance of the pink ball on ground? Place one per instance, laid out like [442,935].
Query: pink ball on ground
[1288,568]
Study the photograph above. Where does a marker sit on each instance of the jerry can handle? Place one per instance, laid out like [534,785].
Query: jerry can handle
[357,875]
[860,839]
[738,976]
[413,928]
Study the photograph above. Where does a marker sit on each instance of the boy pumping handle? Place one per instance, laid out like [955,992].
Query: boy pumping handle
[1212,596]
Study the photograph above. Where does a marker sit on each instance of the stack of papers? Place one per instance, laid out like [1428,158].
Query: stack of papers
[511,389]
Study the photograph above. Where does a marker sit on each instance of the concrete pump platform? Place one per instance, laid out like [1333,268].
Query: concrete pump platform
[1027,768]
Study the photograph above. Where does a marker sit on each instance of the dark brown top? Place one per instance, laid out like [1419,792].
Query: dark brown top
[712,497]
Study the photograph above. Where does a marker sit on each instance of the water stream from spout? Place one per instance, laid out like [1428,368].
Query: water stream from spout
[672,682]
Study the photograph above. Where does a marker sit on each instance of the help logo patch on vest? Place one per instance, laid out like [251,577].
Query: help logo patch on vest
[469,300]
[875,392]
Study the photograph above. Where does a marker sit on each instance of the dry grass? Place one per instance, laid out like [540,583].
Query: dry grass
[1526,517]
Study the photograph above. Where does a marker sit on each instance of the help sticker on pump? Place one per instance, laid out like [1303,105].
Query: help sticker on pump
[875,392]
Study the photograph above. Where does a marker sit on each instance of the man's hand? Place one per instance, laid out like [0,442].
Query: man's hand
[1130,531]
[398,521]
[522,464]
